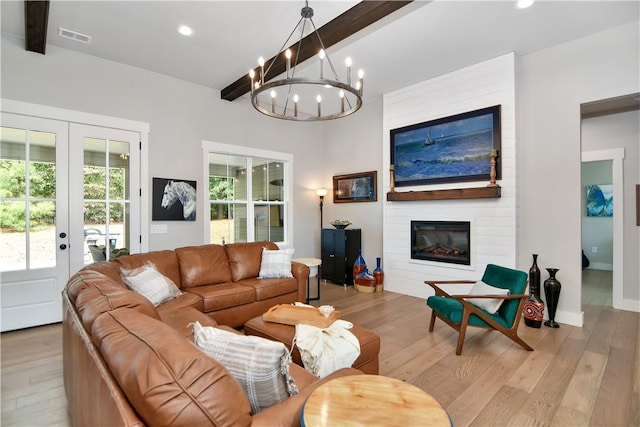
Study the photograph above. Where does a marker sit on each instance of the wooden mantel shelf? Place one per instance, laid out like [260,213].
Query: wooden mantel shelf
[456,193]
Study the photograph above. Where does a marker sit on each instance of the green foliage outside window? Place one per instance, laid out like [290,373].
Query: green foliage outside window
[43,192]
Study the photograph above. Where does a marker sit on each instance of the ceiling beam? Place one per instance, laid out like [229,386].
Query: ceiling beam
[36,18]
[348,23]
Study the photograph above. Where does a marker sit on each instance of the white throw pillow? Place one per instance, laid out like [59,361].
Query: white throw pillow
[261,366]
[275,264]
[150,283]
[488,304]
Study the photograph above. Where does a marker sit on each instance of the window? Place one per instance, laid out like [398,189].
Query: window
[248,194]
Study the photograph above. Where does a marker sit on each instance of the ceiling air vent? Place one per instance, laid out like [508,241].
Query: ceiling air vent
[74,35]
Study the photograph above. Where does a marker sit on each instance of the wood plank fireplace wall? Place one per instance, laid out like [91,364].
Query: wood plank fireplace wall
[493,221]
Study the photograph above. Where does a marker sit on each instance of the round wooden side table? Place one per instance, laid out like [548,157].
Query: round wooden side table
[371,400]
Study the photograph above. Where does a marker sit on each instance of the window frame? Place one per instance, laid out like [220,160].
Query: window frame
[286,159]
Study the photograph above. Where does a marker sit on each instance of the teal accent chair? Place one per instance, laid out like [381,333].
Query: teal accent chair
[456,312]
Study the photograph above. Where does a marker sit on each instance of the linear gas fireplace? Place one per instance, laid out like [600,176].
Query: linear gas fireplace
[441,241]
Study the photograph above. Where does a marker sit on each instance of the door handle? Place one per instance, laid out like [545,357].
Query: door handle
[63,246]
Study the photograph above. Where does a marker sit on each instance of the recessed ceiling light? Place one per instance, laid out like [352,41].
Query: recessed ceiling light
[185,30]
[523,4]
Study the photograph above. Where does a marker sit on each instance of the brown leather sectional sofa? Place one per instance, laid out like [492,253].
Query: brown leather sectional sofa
[128,363]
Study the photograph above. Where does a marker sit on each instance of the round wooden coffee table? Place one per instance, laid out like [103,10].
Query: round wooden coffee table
[367,400]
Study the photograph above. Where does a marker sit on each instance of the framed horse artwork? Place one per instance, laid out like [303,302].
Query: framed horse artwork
[173,200]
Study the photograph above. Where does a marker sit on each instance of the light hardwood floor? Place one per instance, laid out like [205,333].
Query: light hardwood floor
[576,377]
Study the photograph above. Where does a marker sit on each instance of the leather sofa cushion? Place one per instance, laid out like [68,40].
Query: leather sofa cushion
[269,288]
[100,294]
[185,300]
[181,318]
[166,262]
[166,378]
[245,258]
[203,265]
[224,295]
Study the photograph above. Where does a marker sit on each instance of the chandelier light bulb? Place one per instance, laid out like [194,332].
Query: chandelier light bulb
[342,101]
[273,101]
[360,85]
[360,74]
[322,54]
[252,74]
[295,105]
[261,64]
[319,99]
[287,55]
[348,62]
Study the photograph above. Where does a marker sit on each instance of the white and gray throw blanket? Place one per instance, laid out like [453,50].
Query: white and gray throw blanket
[324,351]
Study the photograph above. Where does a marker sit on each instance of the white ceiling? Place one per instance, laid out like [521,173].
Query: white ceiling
[418,42]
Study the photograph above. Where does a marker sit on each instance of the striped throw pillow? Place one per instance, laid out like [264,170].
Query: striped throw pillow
[260,366]
[275,264]
[150,283]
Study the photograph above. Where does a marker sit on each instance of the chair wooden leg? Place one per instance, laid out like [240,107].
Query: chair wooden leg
[461,335]
[519,340]
[433,321]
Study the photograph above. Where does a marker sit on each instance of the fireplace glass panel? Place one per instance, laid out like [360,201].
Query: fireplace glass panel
[441,241]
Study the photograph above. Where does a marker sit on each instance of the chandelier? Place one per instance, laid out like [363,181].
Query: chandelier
[305,98]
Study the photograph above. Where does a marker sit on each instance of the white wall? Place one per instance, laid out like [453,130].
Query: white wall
[493,221]
[352,145]
[614,132]
[553,84]
[597,232]
[181,115]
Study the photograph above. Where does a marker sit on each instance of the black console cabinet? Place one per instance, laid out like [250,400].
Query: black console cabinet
[339,252]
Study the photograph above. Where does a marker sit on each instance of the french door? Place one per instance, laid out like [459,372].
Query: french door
[65,188]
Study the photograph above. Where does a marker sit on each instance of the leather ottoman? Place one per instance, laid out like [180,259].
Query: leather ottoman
[367,362]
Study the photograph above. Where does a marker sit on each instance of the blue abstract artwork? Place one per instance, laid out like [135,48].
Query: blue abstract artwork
[599,200]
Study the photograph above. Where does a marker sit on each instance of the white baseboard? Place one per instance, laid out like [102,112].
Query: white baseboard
[630,305]
[569,318]
[600,266]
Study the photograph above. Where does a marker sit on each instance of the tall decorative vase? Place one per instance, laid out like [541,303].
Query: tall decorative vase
[359,265]
[552,289]
[378,274]
[533,305]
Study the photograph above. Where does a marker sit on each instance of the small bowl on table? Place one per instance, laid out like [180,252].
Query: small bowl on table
[340,225]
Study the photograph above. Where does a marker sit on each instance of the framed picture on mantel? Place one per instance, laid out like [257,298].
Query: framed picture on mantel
[355,187]
[450,149]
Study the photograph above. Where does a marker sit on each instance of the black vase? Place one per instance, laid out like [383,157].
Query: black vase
[533,305]
[552,293]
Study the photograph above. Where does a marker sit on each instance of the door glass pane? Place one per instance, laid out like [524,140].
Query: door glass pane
[118,170]
[42,234]
[28,195]
[13,239]
[119,231]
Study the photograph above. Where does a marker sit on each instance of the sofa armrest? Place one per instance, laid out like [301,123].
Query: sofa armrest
[287,413]
[301,274]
